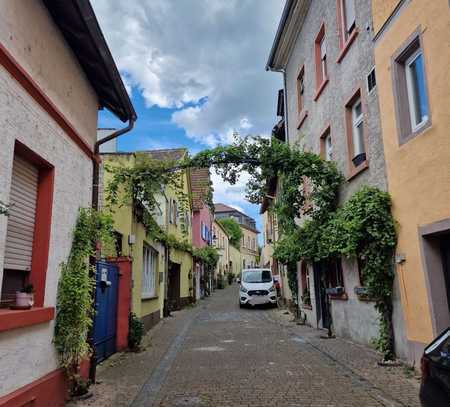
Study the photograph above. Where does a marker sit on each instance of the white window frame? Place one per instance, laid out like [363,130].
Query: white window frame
[149,272]
[369,91]
[358,143]
[328,147]
[323,57]
[412,99]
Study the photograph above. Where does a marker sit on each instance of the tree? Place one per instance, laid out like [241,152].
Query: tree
[233,230]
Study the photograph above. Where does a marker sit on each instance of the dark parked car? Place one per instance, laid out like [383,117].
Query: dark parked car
[435,366]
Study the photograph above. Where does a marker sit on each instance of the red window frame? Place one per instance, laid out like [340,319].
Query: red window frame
[352,169]
[344,43]
[43,218]
[321,80]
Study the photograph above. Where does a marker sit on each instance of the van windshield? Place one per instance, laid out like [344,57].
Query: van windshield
[257,276]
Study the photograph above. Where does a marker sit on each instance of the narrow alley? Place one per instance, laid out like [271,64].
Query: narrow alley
[216,354]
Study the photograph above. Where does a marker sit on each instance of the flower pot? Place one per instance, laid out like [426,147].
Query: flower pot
[24,299]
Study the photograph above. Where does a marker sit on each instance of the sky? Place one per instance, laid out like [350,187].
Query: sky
[195,71]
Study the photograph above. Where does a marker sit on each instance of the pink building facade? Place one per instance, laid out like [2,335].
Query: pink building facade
[202,219]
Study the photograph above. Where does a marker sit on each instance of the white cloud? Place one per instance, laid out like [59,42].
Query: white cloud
[204,57]
[232,195]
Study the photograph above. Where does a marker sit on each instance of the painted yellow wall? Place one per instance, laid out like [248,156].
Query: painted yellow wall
[177,256]
[418,171]
[126,224]
[248,253]
[381,10]
[235,258]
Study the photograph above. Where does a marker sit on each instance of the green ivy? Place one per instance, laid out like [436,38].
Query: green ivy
[74,309]
[135,332]
[233,230]
[312,227]
[207,255]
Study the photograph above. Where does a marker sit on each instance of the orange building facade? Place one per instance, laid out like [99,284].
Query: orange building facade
[412,56]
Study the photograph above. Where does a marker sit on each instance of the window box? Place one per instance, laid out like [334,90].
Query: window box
[359,159]
[13,319]
[363,295]
[335,291]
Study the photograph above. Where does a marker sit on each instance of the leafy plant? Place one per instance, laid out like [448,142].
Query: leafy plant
[74,309]
[311,225]
[135,331]
[29,289]
[233,230]
[4,209]
[207,255]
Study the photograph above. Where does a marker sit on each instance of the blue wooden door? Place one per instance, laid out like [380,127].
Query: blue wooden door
[105,320]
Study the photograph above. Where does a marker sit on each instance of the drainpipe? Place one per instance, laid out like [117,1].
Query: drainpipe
[92,260]
[96,161]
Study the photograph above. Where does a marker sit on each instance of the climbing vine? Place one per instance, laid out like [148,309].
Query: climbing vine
[233,230]
[312,225]
[74,309]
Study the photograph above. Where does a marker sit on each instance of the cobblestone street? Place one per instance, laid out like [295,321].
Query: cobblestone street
[216,354]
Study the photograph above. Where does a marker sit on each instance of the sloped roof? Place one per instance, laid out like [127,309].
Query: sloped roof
[200,183]
[220,207]
[78,24]
[169,154]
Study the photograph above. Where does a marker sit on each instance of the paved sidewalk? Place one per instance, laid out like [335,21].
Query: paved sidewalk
[216,354]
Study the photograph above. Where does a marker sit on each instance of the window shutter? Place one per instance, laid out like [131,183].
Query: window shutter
[20,229]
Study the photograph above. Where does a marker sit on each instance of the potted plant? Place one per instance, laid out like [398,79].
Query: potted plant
[25,297]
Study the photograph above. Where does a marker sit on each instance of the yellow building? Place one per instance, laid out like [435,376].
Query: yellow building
[412,55]
[157,278]
[235,260]
[249,241]
[222,244]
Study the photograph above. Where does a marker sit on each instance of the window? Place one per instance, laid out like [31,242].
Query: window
[415,84]
[357,129]
[410,89]
[149,270]
[300,89]
[346,21]
[326,145]
[28,225]
[323,58]
[348,18]
[371,81]
[321,61]
[334,273]
[356,133]
[305,290]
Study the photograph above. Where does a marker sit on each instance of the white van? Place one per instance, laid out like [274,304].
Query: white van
[257,287]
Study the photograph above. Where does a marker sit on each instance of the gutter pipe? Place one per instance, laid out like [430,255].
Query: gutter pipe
[96,161]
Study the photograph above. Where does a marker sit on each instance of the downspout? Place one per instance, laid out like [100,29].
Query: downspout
[96,161]
[95,189]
